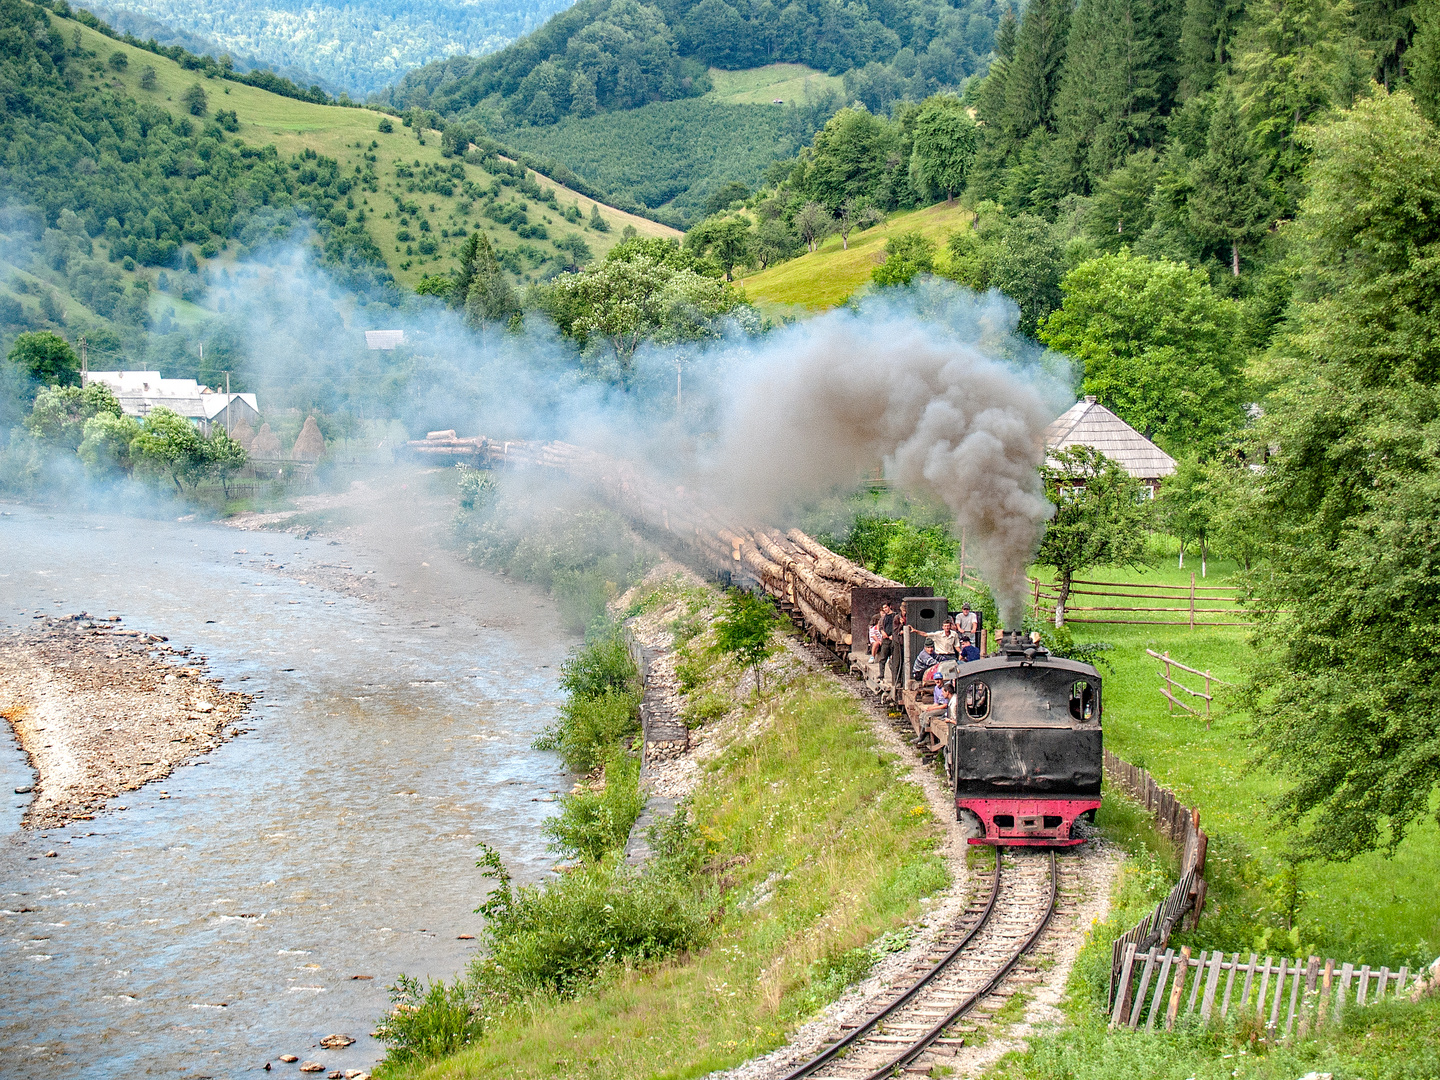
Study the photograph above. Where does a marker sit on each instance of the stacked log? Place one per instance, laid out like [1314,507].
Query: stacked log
[793,567]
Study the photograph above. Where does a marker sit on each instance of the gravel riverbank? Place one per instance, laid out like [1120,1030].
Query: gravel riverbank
[100,710]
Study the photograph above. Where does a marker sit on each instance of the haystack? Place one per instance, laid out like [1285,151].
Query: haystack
[310,446]
[265,446]
[242,432]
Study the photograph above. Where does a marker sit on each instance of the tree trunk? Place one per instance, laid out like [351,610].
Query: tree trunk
[1182,553]
[1202,556]
[1065,577]
[1235,257]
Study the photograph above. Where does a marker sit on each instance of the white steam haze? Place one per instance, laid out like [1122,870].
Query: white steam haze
[931,381]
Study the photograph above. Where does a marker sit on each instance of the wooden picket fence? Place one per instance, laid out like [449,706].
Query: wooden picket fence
[1302,993]
[1173,684]
[1216,605]
[1181,825]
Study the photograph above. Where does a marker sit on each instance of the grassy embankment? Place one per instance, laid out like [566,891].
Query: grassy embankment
[344,134]
[815,846]
[831,275]
[1374,910]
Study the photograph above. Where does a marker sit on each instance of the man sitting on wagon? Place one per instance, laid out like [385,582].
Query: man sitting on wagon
[945,640]
[968,651]
[924,662]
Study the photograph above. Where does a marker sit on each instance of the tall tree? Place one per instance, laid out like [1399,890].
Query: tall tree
[1207,30]
[1423,59]
[849,158]
[1117,84]
[1032,78]
[1102,514]
[482,289]
[1228,203]
[945,139]
[1346,689]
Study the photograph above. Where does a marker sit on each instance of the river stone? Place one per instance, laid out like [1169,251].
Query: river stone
[336,1042]
[288,1058]
[312,1066]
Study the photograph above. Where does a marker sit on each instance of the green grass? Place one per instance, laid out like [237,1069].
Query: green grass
[821,846]
[345,134]
[1375,910]
[830,276]
[789,83]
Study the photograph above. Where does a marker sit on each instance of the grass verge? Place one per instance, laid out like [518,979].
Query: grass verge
[1374,910]
[806,846]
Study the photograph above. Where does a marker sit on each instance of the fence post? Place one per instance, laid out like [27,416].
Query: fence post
[1192,600]
[1169,687]
[1035,610]
[1178,988]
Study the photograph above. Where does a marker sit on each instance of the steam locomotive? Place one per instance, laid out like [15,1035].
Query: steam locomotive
[1021,736]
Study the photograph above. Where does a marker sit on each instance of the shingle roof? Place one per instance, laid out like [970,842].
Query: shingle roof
[1088,423]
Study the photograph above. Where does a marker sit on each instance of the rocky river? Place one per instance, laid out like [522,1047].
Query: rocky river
[261,897]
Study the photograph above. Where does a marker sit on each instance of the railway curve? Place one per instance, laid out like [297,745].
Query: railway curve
[977,955]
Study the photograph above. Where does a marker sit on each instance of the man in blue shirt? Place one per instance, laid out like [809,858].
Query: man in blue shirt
[968,651]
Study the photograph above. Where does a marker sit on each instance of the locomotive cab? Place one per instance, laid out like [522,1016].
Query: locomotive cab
[1024,751]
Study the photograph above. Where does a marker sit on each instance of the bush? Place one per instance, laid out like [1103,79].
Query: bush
[425,1023]
[602,665]
[195,100]
[588,726]
[557,937]
[386,127]
[593,824]
[118,60]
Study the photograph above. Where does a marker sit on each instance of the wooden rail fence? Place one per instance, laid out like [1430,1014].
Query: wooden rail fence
[1184,602]
[1171,684]
[1302,990]
[1182,826]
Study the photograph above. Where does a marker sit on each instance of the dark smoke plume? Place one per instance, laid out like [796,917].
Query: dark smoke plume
[919,383]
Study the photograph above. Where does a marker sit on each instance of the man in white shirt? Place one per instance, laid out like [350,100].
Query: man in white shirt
[967,622]
[945,640]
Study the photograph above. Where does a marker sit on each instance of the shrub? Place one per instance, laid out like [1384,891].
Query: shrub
[425,1023]
[602,665]
[118,60]
[386,127]
[147,79]
[592,824]
[588,726]
[558,936]
[195,100]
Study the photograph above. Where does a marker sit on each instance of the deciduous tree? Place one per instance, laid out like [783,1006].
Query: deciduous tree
[1101,517]
[945,140]
[1159,347]
[46,358]
[1346,690]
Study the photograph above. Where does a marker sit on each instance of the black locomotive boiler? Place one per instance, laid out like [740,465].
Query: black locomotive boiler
[1024,744]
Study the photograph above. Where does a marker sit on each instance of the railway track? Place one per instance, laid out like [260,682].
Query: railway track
[967,965]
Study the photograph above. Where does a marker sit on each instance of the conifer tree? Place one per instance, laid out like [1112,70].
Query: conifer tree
[1117,82]
[483,290]
[1207,30]
[1422,60]
[1033,75]
[1228,202]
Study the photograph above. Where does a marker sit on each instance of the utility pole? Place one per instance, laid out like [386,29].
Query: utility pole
[84,361]
[677,389]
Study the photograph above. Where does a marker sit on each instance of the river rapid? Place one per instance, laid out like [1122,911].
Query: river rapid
[208,932]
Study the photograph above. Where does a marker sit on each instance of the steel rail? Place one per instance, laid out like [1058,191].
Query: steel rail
[920,1045]
[830,1053]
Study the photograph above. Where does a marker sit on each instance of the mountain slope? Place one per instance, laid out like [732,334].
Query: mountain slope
[604,55]
[123,213]
[358,46]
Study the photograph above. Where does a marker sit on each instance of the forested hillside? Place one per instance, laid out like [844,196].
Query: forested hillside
[355,47]
[604,55]
[132,187]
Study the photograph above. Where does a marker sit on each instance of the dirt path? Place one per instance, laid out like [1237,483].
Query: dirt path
[101,710]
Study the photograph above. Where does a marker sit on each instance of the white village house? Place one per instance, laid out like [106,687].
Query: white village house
[1088,423]
[209,410]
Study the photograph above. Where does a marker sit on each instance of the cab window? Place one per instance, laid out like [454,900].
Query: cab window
[1082,700]
[977,700]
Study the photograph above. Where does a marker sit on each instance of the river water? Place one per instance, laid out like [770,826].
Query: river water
[209,932]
